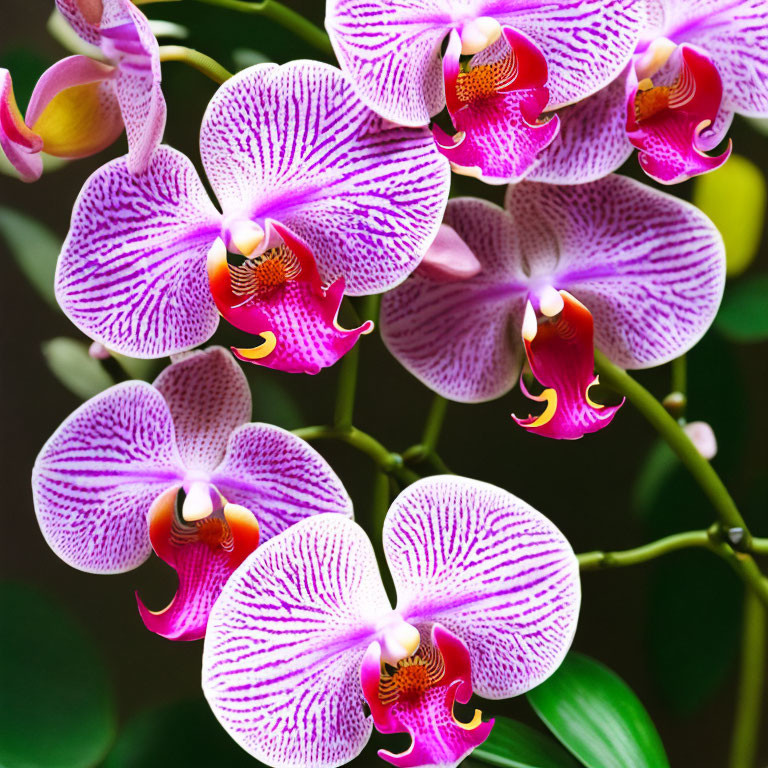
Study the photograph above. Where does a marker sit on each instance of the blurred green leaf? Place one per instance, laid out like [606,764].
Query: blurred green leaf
[56,704]
[597,717]
[734,197]
[694,599]
[515,745]
[71,364]
[655,470]
[184,733]
[743,315]
[35,249]
[271,403]
[146,370]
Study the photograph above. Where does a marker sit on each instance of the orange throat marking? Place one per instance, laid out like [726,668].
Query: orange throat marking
[651,101]
[486,80]
[263,275]
[413,677]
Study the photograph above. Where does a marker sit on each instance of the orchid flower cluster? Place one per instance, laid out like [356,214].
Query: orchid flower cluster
[334,182]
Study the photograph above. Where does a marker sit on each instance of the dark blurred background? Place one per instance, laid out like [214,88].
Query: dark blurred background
[670,628]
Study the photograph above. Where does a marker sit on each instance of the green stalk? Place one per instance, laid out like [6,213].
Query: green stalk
[749,705]
[678,441]
[593,561]
[284,16]
[202,63]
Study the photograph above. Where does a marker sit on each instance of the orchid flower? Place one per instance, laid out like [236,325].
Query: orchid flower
[319,198]
[80,105]
[642,270]
[488,598]
[108,484]
[698,62]
[526,59]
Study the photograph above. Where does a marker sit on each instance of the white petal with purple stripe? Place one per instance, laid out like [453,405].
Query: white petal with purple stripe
[97,476]
[490,569]
[132,270]
[295,144]
[282,654]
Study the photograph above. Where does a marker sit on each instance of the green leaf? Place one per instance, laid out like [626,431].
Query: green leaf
[515,745]
[734,197]
[34,248]
[71,364]
[597,717]
[56,704]
[743,315]
[183,733]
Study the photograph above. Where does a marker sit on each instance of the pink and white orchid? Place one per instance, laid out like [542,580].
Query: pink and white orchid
[319,197]
[526,60]
[304,634]
[108,484]
[697,64]
[81,105]
[641,269]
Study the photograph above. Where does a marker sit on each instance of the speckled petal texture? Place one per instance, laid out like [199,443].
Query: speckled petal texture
[208,396]
[132,270]
[282,653]
[279,477]
[295,144]
[490,569]
[648,266]
[462,338]
[96,478]
[592,141]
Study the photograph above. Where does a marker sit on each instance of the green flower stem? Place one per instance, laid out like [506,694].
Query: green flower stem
[593,561]
[434,423]
[284,16]
[202,63]
[702,471]
[749,705]
[388,462]
[680,375]
[348,367]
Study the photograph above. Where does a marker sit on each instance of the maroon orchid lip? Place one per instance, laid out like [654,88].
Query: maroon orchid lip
[106,483]
[304,631]
[620,249]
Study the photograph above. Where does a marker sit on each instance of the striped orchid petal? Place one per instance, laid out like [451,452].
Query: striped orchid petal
[96,478]
[285,641]
[391,49]
[592,141]
[734,35]
[488,597]
[208,396]
[123,34]
[294,144]
[132,270]
[458,336]
[279,477]
[648,266]
[443,537]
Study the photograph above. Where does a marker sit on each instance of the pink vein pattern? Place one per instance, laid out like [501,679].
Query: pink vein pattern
[490,569]
[294,144]
[285,641]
